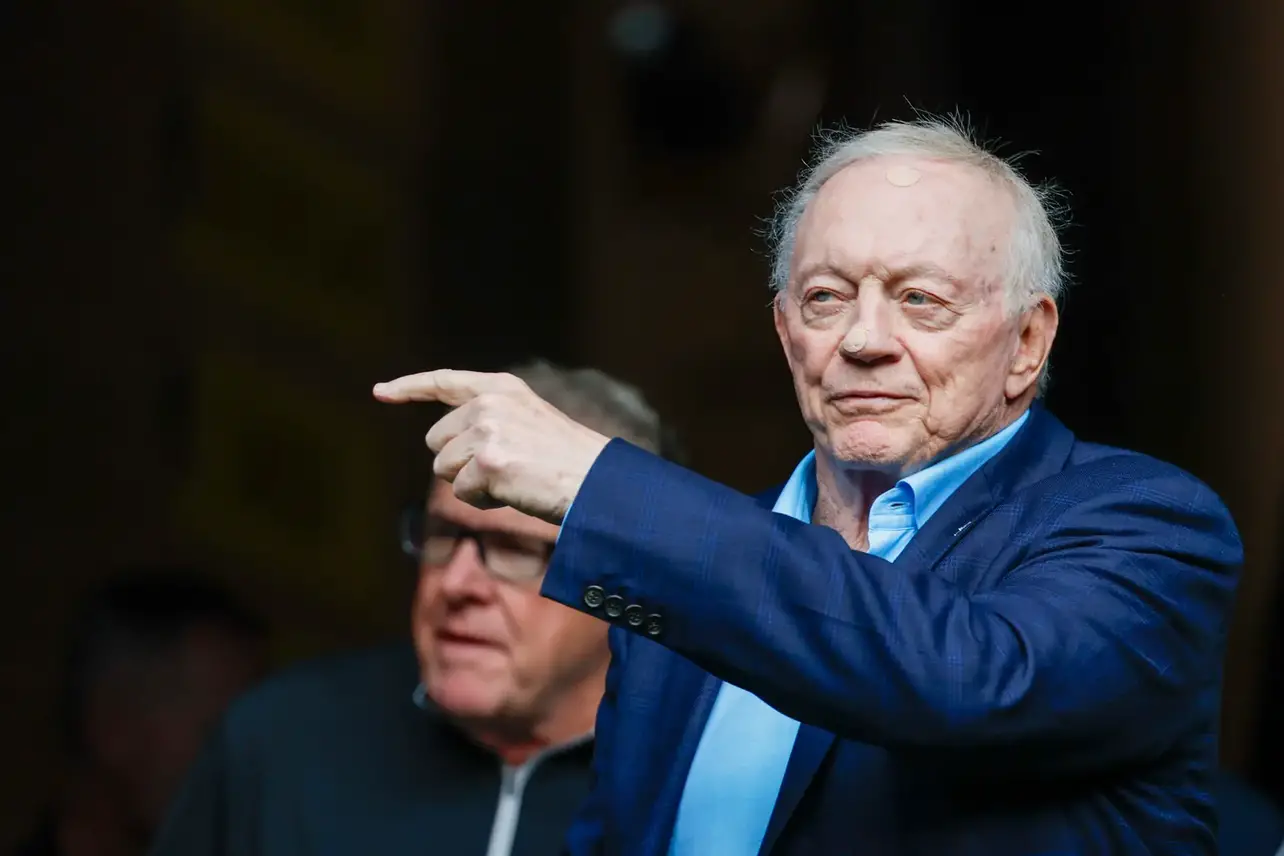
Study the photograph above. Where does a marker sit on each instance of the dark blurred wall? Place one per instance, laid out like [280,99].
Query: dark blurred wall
[216,254]
[670,279]
[498,183]
[91,334]
[1226,371]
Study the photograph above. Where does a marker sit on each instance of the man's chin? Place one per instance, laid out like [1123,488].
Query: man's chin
[466,697]
[868,444]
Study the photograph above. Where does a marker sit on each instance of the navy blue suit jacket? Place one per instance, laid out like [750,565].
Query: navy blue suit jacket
[1038,672]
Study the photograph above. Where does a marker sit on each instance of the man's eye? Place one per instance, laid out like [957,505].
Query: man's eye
[917,298]
[822,297]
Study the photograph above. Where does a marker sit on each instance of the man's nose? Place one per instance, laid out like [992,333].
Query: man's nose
[465,574]
[869,335]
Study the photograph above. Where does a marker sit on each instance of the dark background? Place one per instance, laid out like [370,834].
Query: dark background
[229,218]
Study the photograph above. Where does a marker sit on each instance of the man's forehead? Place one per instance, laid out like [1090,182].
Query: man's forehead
[443,503]
[897,179]
[902,175]
[907,211]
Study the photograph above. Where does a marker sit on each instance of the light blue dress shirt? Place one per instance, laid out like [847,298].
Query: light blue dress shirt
[740,763]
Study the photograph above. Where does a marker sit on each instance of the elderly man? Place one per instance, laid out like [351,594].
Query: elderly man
[956,628]
[479,740]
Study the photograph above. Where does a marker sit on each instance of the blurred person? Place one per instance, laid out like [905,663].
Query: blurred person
[477,737]
[155,656]
[957,628]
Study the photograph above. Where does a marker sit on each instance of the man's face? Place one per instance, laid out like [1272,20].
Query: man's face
[492,650]
[911,263]
[153,718]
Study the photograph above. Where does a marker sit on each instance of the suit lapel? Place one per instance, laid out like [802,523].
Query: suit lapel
[810,749]
[688,688]
[1039,449]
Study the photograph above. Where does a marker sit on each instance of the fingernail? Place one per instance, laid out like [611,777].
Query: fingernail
[380,387]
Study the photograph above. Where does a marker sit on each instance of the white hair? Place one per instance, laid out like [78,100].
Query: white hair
[1035,265]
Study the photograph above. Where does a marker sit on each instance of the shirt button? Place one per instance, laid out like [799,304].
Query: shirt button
[593,596]
[614,606]
[653,625]
[633,615]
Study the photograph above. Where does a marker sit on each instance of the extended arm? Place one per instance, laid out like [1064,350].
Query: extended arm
[1095,648]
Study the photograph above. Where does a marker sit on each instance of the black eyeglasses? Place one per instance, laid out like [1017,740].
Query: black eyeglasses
[516,558]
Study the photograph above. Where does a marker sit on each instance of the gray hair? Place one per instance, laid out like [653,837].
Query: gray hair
[1035,266]
[598,401]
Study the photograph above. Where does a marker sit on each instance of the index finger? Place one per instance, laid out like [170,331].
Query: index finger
[448,386]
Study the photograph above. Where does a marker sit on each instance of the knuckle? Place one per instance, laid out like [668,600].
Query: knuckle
[491,413]
[511,383]
[491,458]
[486,427]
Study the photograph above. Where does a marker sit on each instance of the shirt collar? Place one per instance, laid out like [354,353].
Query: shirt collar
[929,488]
[798,497]
[924,492]
[419,698]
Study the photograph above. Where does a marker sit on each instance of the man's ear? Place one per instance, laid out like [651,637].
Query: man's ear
[1034,344]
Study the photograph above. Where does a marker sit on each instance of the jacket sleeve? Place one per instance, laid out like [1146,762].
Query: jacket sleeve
[588,830]
[1100,646]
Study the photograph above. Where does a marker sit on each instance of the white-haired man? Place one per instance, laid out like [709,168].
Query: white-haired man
[955,629]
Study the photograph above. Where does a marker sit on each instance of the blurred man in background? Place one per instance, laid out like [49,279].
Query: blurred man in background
[476,739]
[155,657]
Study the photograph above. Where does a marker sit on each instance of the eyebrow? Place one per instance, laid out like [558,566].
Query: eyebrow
[924,270]
[927,271]
[493,532]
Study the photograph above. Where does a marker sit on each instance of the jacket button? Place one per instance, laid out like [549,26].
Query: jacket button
[593,596]
[614,606]
[633,615]
[653,625]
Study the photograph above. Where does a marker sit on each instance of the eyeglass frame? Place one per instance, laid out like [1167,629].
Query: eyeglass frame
[460,534]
